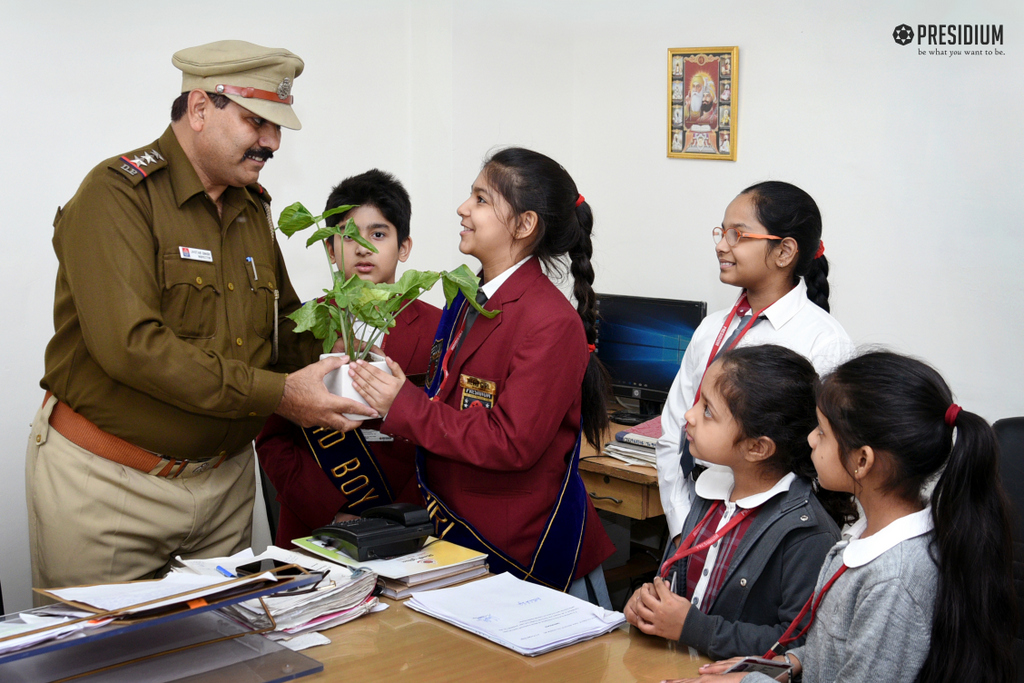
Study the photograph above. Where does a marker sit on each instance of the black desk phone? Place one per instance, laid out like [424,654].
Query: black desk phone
[385,531]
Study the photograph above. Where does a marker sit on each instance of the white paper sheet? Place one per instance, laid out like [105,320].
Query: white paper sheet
[185,587]
[521,616]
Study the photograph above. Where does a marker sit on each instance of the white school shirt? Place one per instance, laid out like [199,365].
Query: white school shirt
[717,483]
[793,321]
[491,287]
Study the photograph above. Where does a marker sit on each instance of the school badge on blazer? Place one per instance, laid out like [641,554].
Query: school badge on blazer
[476,391]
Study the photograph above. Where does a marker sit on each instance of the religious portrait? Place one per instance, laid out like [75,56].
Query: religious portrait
[702,99]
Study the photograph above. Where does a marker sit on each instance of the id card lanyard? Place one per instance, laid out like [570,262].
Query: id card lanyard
[685,549]
[811,604]
[741,307]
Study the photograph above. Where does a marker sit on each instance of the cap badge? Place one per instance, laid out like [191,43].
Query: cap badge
[285,88]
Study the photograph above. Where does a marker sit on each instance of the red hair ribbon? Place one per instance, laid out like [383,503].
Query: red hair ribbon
[591,348]
[952,412]
[580,200]
[821,250]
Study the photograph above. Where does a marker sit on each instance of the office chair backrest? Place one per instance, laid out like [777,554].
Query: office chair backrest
[1010,433]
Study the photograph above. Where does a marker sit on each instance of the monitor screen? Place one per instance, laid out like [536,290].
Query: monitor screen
[641,341]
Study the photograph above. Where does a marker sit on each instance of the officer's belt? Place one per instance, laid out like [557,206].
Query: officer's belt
[83,433]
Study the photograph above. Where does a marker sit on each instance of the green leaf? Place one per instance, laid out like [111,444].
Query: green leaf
[305,317]
[330,340]
[336,210]
[322,234]
[352,232]
[294,218]
[462,279]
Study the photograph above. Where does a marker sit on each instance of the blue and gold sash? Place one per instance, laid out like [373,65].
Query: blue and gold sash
[349,462]
[557,554]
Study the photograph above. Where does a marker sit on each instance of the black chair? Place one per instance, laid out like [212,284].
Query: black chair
[1010,433]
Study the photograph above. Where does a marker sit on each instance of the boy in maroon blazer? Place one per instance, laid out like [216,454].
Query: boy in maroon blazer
[372,472]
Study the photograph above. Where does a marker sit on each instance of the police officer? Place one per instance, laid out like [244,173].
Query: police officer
[170,345]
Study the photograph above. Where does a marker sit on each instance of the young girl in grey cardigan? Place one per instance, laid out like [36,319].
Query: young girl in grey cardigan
[738,594]
[919,592]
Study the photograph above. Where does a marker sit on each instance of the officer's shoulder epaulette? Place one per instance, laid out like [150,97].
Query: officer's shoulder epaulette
[259,192]
[138,165]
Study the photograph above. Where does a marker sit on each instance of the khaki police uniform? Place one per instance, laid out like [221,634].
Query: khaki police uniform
[163,365]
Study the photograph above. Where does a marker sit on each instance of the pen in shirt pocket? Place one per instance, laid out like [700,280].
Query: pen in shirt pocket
[253,264]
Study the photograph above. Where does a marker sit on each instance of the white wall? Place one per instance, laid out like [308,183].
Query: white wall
[913,159]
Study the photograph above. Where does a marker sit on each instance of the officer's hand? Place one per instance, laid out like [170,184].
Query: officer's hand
[307,403]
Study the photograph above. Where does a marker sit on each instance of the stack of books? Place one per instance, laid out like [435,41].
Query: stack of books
[436,565]
[635,446]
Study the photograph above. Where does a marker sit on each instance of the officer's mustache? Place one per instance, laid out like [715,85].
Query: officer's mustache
[260,154]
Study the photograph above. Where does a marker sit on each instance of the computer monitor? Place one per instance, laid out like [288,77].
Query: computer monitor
[641,341]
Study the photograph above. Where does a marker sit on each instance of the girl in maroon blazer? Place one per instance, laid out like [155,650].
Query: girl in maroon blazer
[499,427]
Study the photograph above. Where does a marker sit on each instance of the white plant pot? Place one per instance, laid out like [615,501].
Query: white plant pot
[339,383]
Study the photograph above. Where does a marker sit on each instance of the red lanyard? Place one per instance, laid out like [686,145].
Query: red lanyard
[448,353]
[741,307]
[684,548]
[785,639]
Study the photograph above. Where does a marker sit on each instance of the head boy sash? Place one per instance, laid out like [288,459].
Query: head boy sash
[349,462]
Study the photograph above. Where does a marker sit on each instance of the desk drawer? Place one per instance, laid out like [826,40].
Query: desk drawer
[634,496]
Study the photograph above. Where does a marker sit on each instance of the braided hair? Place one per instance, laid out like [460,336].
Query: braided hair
[530,181]
[787,211]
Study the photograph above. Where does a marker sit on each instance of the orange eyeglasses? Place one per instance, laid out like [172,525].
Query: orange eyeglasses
[732,235]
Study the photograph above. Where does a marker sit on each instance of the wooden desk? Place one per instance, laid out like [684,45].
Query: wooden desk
[607,478]
[401,644]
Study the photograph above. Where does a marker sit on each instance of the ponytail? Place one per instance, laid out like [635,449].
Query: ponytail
[787,211]
[530,181]
[975,616]
[816,279]
[899,406]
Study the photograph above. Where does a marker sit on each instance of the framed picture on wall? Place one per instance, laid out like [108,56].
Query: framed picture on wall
[702,102]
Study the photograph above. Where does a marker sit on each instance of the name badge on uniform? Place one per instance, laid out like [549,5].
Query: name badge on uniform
[193,254]
[477,391]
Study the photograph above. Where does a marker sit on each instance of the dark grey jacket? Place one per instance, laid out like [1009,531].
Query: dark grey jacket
[771,575]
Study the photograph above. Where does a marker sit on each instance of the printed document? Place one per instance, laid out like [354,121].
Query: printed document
[521,616]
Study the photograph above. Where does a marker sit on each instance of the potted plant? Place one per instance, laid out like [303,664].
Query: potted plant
[374,305]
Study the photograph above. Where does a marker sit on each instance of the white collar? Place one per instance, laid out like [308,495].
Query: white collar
[783,310]
[860,551]
[490,288]
[716,483]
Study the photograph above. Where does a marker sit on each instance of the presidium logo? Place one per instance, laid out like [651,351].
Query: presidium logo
[971,37]
[903,34]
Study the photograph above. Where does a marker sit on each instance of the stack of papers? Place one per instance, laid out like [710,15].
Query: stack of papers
[635,446]
[631,454]
[521,616]
[437,564]
[19,631]
[341,596]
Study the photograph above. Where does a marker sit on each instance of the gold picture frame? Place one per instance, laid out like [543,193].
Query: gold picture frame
[707,78]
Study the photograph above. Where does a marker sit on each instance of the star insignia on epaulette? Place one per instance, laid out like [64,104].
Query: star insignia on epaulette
[139,162]
[156,154]
[148,158]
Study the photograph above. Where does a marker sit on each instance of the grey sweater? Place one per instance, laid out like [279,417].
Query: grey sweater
[875,623]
